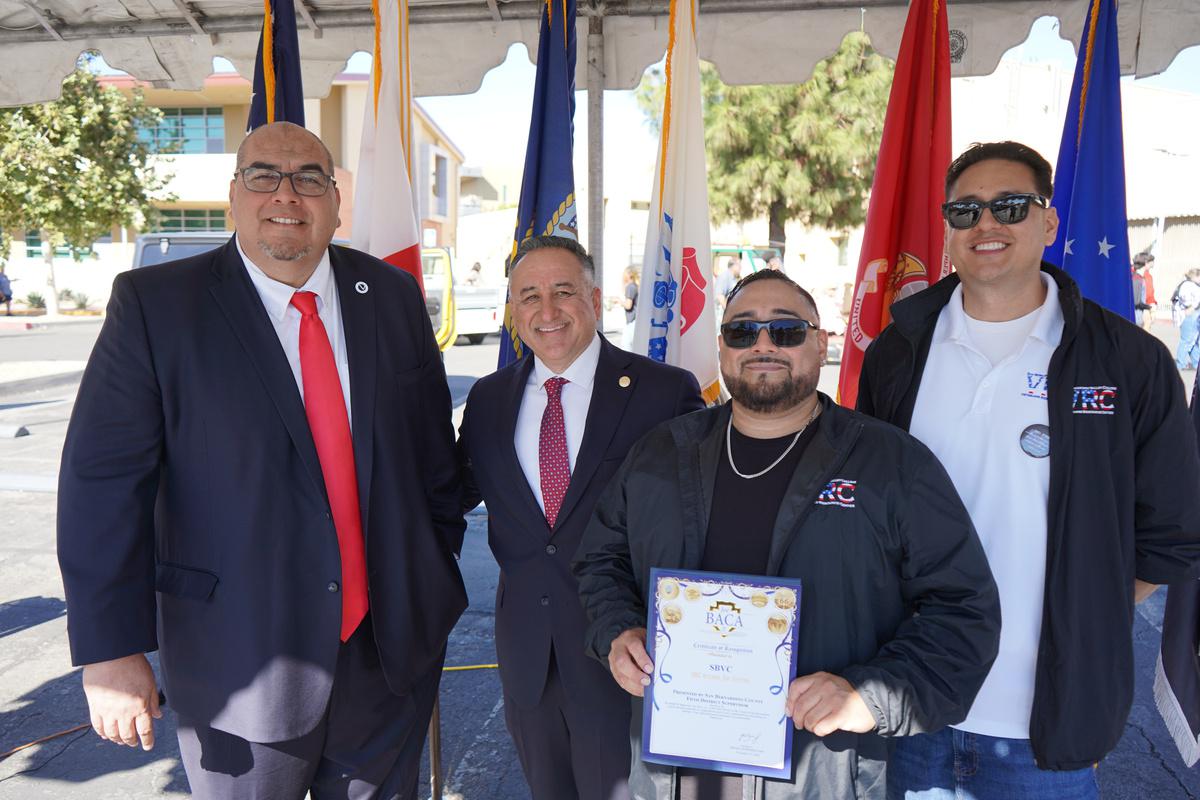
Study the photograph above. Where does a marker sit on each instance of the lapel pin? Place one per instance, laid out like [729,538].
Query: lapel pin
[624,382]
[361,287]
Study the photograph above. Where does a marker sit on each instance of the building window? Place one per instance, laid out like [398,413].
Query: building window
[175,220]
[187,130]
[33,246]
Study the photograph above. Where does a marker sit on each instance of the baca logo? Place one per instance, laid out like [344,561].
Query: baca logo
[838,492]
[724,616]
[1094,400]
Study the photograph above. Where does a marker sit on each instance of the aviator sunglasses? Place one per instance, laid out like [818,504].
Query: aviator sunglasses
[783,332]
[1007,210]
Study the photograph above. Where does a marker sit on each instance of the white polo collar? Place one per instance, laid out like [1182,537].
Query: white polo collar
[1047,326]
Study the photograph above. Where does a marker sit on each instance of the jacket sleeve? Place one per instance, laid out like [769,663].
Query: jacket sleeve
[689,398]
[608,586]
[107,486]
[1166,474]
[439,460]
[471,496]
[927,676]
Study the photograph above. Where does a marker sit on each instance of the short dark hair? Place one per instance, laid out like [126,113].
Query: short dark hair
[556,243]
[1003,151]
[772,275]
[1142,259]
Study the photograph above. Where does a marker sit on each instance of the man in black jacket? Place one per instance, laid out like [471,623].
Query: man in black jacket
[1065,431]
[781,481]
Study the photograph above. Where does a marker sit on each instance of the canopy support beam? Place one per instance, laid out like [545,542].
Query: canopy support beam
[595,97]
[183,9]
[43,20]
[302,7]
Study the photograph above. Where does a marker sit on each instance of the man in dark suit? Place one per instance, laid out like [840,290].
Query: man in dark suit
[259,482]
[539,441]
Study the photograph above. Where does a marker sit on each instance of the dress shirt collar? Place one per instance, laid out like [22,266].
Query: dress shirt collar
[277,296]
[1047,326]
[582,371]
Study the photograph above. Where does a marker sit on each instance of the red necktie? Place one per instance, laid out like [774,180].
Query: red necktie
[553,462]
[325,406]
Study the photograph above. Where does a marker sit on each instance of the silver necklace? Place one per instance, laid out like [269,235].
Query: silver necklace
[775,463]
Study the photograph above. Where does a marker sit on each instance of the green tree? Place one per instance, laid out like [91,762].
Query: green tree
[792,151]
[74,169]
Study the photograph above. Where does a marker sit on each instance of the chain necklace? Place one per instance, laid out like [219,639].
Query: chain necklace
[775,463]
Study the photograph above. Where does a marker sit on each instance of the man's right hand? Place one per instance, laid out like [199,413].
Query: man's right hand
[629,662]
[123,700]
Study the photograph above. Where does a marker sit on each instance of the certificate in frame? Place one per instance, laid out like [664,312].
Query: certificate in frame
[723,647]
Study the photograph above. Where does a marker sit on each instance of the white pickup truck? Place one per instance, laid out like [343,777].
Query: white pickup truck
[478,311]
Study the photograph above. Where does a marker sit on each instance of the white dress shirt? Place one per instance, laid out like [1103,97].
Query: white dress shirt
[277,300]
[984,385]
[576,399]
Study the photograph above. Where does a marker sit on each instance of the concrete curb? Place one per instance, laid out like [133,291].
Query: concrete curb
[41,383]
[34,323]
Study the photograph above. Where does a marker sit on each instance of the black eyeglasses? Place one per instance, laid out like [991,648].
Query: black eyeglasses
[783,332]
[1007,210]
[309,183]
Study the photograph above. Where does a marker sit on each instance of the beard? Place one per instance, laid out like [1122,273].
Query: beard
[762,395]
[285,252]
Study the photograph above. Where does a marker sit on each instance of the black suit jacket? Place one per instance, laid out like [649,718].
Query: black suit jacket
[192,511]
[537,601]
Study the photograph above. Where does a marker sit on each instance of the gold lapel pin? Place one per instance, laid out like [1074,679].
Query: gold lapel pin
[624,382]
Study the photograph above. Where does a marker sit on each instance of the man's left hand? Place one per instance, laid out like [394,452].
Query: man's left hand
[823,703]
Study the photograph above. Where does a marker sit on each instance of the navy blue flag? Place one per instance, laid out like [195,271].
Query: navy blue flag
[278,91]
[547,205]
[1089,183]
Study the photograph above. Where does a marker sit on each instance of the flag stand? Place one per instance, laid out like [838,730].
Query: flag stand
[435,751]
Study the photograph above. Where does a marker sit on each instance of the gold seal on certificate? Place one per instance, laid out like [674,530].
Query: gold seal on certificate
[723,659]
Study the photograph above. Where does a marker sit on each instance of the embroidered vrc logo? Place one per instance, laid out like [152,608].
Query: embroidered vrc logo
[1035,385]
[1094,400]
[838,492]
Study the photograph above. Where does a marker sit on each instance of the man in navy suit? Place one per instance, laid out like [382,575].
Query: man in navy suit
[259,481]
[539,441]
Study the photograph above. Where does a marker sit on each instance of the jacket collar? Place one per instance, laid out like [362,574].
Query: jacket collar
[700,440]
[915,316]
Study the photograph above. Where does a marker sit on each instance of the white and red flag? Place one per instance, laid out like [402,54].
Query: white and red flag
[675,320]
[385,218]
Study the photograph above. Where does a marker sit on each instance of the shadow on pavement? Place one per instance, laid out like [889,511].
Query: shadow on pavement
[28,612]
[76,758]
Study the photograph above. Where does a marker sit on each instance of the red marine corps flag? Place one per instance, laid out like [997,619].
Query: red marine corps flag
[385,220]
[903,244]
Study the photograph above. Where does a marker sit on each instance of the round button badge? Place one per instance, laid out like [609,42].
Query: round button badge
[1035,441]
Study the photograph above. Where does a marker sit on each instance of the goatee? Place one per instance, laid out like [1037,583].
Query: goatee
[764,396]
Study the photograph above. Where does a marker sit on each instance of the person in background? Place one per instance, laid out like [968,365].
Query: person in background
[1185,308]
[6,295]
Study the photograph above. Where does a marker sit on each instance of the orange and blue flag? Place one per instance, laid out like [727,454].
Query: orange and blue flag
[1089,183]
[547,204]
[278,90]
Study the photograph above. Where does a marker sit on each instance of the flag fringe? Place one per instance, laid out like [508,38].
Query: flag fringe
[1172,714]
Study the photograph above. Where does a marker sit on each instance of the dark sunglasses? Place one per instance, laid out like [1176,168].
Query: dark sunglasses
[783,332]
[1007,210]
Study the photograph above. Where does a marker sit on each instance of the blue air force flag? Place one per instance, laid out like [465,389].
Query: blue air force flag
[1089,183]
[547,204]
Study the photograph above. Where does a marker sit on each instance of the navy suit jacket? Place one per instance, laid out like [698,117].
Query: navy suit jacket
[192,511]
[537,601]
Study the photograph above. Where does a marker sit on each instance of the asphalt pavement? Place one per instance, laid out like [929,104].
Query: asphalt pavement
[40,693]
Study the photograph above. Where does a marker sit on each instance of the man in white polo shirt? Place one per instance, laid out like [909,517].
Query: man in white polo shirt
[1064,430]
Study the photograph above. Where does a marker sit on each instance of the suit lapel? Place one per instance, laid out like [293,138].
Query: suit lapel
[238,300]
[359,327]
[507,431]
[605,411]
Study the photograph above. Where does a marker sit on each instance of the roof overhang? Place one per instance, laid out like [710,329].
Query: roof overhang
[171,43]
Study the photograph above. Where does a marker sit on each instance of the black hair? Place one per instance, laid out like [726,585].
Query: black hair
[772,275]
[556,243]
[1003,151]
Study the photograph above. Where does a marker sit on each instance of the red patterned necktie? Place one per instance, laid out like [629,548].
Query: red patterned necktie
[553,462]
[325,406]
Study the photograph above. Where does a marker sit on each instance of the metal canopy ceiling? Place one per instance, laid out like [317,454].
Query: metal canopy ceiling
[171,43]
